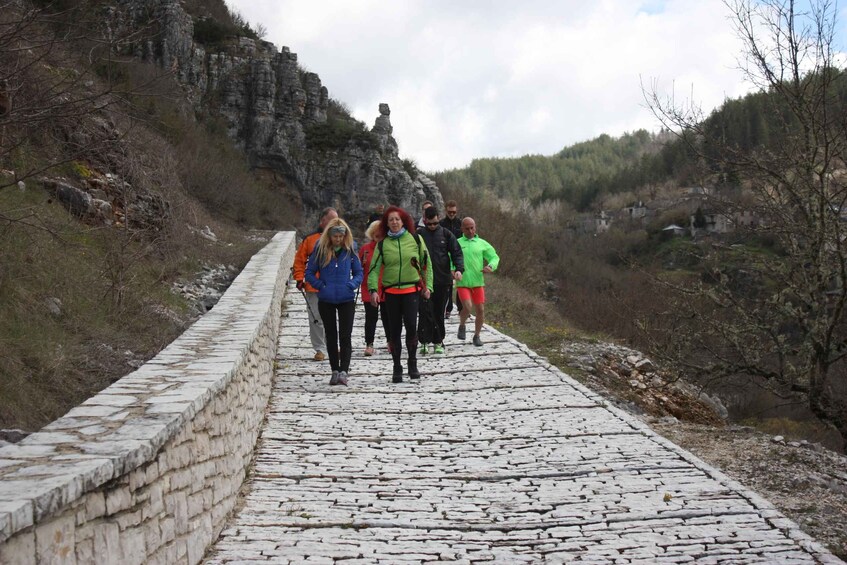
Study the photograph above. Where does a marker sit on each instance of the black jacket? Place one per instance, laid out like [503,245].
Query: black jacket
[443,248]
[454,225]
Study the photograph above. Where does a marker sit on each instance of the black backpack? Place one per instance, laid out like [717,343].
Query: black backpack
[426,313]
[426,320]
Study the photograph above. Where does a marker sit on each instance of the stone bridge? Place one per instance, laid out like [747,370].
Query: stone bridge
[230,447]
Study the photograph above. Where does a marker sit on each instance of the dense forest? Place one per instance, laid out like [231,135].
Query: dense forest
[577,174]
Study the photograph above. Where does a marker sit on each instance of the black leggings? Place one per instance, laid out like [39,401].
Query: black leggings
[402,310]
[344,327]
[371,315]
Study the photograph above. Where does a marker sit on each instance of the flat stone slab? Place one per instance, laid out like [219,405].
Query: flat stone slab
[493,456]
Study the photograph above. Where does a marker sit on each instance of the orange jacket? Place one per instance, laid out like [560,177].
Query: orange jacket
[302,257]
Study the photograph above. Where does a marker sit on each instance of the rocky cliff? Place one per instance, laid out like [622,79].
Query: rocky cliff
[271,107]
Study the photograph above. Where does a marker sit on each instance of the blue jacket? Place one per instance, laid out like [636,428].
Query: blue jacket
[339,278]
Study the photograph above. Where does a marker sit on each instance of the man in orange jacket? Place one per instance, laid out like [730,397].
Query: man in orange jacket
[316,327]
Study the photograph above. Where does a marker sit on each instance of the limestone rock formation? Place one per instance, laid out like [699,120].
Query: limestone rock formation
[271,106]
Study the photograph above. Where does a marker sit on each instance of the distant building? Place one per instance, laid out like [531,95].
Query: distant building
[636,210]
[716,222]
[602,222]
[596,223]
[746,219]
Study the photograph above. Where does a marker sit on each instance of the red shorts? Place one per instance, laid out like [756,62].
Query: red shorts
[475,294]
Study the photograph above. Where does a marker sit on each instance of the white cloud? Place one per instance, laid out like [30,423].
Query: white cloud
[500,78]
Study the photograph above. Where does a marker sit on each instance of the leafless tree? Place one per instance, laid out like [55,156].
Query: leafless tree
[58,64]
[777,317]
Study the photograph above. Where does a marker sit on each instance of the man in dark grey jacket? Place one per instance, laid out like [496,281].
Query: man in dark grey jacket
[453,222]
[447,266]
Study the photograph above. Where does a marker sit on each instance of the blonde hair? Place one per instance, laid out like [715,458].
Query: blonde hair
[373,230]
[324,248]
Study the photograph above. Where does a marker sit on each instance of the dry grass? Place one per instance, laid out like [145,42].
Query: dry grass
[112,284]
[52,361]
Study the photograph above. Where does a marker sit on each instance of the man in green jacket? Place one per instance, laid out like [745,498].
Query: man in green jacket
[480,257]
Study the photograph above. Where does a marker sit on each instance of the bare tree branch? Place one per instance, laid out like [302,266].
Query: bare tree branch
[778,316]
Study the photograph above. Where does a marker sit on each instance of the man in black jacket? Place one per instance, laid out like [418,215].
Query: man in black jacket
[444,252]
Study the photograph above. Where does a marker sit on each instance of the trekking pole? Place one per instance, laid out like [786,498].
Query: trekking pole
[361,262]
[308,306]
[302,292]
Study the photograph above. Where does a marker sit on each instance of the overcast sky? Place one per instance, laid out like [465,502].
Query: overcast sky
[492,78]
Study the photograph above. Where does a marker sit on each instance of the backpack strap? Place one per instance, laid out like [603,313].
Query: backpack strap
[417,241]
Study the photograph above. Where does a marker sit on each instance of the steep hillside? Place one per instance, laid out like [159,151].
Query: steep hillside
[147,150]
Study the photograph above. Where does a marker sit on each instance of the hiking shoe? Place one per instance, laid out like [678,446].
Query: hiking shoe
[413,370]
[423,350]
[319,356]
[477,341]
[369,350]
[333,380]
[397,375]
[461,333]
[438,349]
[342,377]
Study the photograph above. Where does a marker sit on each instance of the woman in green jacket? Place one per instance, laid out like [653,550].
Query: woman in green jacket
[402,259]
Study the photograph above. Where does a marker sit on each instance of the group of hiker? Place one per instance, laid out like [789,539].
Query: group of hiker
[405,273]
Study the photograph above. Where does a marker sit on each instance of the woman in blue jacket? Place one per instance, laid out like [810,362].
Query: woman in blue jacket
[340,276]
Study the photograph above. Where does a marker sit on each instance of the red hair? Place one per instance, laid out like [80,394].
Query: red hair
[407,220]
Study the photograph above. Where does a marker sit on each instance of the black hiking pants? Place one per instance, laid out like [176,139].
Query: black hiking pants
[440,296]
[342,329]
[402,310]
[371,315]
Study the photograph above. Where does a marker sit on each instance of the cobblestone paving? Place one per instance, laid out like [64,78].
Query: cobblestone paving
[495,456]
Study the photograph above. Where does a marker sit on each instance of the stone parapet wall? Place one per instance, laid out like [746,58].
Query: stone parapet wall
[147,470]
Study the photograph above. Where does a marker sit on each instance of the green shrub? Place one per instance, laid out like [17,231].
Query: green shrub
[81,170]
[338,109]
[410,167]
[337,133]
[212,32]
[208,31]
